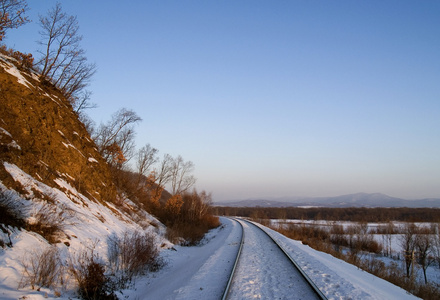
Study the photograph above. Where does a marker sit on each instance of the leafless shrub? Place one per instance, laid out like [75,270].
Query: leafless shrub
[42,268]
[132,254]
[49,220]
[89,273]
[9,216]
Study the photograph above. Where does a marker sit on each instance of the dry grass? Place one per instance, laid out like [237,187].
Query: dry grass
[42,268]
[49,221]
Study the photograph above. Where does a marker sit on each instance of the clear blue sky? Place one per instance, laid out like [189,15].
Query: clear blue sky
[272,98]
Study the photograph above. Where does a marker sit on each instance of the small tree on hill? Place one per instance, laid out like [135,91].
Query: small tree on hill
[63,61]
[115,140]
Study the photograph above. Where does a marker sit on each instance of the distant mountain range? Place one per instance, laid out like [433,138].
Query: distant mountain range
[351,200]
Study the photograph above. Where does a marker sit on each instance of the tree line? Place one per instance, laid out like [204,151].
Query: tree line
[354,214]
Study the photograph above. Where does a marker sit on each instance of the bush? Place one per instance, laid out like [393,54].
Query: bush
[187,233]
[89,273]
[193,219]
[9,216]
[25,59]
[42,268]
[49,221]
[132,254]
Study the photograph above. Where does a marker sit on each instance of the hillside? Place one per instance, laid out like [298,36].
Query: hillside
[41,134]
[57,197]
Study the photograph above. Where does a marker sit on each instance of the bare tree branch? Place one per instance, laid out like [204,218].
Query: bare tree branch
[147,156]
[12,15]
[117,136]
[181,179]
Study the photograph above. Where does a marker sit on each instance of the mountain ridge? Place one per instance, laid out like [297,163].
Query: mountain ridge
[348,200]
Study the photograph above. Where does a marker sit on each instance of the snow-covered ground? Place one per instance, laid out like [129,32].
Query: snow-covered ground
[265,272]
[394,245]
[336,278]
[190,273]
[200,272]
[87,225]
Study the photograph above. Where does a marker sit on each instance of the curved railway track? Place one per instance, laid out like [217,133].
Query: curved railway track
[308,284]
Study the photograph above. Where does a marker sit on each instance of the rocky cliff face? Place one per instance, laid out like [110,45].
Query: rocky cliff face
[42,135]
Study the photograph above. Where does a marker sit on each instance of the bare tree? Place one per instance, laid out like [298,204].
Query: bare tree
[408,244]
[63,61]
[181,178]
[115,140]
[424,245]
[158,178]
[164,171]
[389,237]
[436,242]
[12,15]
[205,203]
[146,157]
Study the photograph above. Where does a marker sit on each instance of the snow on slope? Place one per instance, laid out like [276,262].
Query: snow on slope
[88,223]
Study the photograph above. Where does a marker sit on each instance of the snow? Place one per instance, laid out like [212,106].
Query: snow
[199,272]
[264,272]
[72,146]
[11,69]
[88,223]
[91,159]
[12,144]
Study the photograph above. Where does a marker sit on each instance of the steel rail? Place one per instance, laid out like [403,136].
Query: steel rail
[295,264]
[231,277]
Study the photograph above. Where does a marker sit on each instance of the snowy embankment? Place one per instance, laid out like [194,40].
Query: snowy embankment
[88,226]
[336,278]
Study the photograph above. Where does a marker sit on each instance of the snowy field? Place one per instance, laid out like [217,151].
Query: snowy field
[395,244]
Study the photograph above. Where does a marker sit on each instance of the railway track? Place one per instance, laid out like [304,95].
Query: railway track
[267,271]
